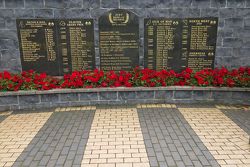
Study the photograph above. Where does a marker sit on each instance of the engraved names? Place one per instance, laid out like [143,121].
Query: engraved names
[56,46]
[180,43]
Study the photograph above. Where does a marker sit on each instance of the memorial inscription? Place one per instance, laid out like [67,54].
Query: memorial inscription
[56,46]
[180,43]
[119,40]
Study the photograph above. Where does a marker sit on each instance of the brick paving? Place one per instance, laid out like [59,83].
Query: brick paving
[115,139]
[226,141]
[4,115]
[170,141]
[60,142]
[142,135]
[16,132]
[240,117]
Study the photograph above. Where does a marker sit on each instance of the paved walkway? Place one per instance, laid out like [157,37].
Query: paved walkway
[153,135]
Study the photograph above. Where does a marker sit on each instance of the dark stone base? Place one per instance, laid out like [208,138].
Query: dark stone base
[120,96]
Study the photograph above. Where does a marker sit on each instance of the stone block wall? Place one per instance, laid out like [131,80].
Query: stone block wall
[122,96]
[233,44]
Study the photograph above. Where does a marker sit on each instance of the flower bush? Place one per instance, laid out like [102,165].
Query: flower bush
[30,80]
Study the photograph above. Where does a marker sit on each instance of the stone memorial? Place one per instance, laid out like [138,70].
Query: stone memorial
[119,40]
[56,46]
[179,43]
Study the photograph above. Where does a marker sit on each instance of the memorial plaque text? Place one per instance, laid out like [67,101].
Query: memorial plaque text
[56,46]
[119,40]
[180,43]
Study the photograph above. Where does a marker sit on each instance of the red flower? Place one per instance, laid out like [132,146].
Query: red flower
[137,77]
[230,82]
[220,81]
[6,75]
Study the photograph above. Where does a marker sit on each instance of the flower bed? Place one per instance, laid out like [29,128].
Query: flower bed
[30,80]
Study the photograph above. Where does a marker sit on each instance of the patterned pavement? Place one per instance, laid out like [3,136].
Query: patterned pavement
[148,135]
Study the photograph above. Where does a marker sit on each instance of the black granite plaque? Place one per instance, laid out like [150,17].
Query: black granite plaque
[180,43]
[119,40]
[76,44]
[56,46]
[38,45]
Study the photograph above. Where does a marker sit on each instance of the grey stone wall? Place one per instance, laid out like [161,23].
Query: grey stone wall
[122,96]
[233,44]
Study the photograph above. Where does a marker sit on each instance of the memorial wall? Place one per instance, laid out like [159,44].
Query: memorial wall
[62,48]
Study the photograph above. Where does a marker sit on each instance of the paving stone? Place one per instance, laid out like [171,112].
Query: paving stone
[189,135]
[179,149]
[241,117]
[16,132]
[222,142]
[57,129]
[114,134]
[44,161]
[61,160]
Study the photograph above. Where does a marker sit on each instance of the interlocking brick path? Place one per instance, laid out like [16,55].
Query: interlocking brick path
[240,117]
[170,141]
[4,115]
[115,139]
[16,132]
[226,141]
[142,135]
[61,141]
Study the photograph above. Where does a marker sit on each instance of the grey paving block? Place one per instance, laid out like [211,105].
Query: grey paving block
[180,146]
[52,146]
[44,161]
[61,159]
[241,117]
[3,117]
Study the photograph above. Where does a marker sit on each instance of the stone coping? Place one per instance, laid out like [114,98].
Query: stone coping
[120,89]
